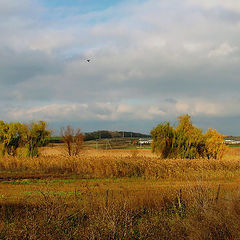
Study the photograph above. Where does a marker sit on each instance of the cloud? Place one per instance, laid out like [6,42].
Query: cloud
[150,61]
[223,50]
[17,67]
[49,112]
[206,4]
[119,111]
[10,7]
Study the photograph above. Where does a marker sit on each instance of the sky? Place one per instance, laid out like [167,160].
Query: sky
[151,61]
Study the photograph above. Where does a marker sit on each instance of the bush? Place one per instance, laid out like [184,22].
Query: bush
[73,140]
[14,135]
[37,136]
[187,141]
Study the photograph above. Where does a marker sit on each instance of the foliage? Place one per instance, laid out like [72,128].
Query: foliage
[120,164]
[73,140]
[187,141]
[12,136]
[111,214]
[37,136]
[163,139]
[214,147]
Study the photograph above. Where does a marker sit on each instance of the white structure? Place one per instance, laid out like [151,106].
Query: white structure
[144,141]
[230,141]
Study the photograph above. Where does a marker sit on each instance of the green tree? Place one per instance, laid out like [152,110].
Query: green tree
[163,140]
[187,141]
[37,136]
[12,136]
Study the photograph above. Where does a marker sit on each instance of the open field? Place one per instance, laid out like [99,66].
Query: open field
[119,194]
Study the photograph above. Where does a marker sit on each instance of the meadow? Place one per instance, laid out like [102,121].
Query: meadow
[119,194]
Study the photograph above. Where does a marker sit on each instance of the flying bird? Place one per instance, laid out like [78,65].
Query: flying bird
[88,60]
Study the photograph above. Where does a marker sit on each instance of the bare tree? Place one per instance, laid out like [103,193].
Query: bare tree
[73,140]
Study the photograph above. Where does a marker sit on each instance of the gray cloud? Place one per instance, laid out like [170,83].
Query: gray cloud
[150,61]
[17,67]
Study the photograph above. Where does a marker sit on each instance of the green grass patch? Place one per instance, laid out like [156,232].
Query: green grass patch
[38,181]
[53,193]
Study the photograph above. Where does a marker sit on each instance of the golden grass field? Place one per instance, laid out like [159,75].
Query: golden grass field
[119,194]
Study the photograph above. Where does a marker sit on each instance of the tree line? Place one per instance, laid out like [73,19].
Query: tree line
[183,141]
[14,135]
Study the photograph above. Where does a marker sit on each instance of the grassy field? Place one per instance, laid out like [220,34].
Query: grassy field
[119,194]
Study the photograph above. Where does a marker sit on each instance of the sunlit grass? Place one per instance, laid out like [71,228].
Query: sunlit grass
[120,164]
[119,194]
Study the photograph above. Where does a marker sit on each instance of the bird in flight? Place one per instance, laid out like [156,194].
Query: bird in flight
[88,60]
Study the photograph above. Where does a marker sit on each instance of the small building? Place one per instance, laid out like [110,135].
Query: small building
[143,141]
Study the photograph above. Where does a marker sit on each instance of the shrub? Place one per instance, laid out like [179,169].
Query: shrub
[214,147]
[37,136]
[12,136]
[73,140]
[187,141]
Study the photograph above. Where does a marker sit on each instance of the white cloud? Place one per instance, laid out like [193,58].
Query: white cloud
[113,111]
[203,107]
[155,111]
[182,108]
[207,108]
[53,112]
[13,7]
[124,108]
[232,5]
[49,40]
[223,50]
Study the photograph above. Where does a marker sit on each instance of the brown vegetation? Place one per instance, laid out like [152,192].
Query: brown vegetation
[73,140]
[187,141]
[123,164]
[119,194]
[195,212]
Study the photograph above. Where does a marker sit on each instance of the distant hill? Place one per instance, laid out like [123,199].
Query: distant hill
[103,134]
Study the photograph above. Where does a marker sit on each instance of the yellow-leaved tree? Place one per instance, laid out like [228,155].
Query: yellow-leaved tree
[14,135]
[214,144]
[187,141]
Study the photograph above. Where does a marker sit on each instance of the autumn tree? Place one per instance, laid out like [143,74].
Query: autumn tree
[186,141]
[12,136]
[189,141]
[37,136]
[73,140]
[214,147]
[163,140]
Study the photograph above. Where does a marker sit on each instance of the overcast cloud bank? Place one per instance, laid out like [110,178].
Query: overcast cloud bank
[150,62]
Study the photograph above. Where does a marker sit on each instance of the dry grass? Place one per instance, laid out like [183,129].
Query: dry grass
[192,213]
[120,163]
[119,194]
